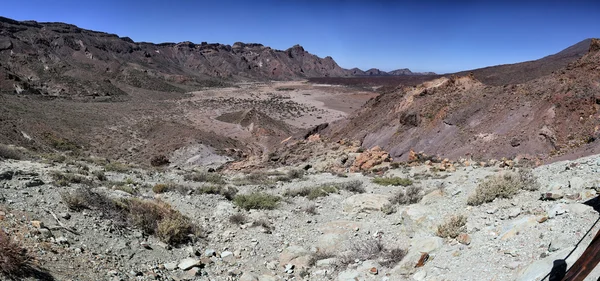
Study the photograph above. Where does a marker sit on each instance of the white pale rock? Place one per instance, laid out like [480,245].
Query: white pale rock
[188,263]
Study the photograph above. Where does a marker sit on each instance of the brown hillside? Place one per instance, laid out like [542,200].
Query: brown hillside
[557,114]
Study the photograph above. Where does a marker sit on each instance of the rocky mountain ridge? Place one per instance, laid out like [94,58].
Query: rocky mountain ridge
[553,115]
[57,59]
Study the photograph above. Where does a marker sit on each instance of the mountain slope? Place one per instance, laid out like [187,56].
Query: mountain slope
[57,59]
[557,114]
[525,71]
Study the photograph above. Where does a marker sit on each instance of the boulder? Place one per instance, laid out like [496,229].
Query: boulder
[364,203]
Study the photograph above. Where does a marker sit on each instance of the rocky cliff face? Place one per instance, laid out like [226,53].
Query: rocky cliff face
[57,59]
[553,115]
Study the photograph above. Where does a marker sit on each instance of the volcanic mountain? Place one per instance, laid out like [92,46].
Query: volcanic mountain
[461,116]
[58,59]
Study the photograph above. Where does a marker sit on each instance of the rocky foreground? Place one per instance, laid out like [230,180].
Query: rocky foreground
[425,225]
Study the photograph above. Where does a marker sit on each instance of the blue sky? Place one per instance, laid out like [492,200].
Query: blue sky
[440,36]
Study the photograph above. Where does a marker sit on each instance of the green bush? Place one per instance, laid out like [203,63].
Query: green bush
[257,201]
[395,181]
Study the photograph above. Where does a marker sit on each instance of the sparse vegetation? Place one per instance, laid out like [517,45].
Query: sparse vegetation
[60,143]
[326,189]
[388,209]
[13,258]
[159,160]
[65,179]
[228,192]
[255,178]
[291,175]
[453,227]
[506,185]
[117,167]
[373,249]
[152,217]
[7,152]
[238,219]
[166,187]
[264,224]
[256,201]
[205,177]
[395,181]
[412,195]
[157,217]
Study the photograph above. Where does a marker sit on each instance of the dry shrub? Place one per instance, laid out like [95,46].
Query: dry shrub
[7,152]
[99,174]
[411,195]
[388,209]
[453,227]
[291,174]
[205,177]
[391,257]
[65,179]
[166,187]
[506,185]
[255,178]
[13,258]
[355,186]
[117,167]
[157,217]
[238,219]
[319,255]
[264,224]
[228,192]
[175,229]
[395,181]
[310,209]
[364,250]
[159,160]
[257,200]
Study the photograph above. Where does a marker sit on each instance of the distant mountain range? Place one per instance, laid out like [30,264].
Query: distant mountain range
[59,59]
[377,72]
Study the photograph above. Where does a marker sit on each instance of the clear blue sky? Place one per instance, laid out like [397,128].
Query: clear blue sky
[440,36]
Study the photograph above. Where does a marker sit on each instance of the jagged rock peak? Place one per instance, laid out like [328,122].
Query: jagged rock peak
[594,45]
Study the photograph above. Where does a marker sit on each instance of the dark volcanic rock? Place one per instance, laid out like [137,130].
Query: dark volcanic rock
[63,60]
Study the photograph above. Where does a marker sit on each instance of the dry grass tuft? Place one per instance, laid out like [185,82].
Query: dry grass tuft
[412,195]
[453,227]
[7,152]
[257,200]
[205,177]
[13,258]
[503,186]
[395,181]
[238,219]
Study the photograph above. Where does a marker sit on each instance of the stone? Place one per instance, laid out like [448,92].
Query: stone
[188,263]
[145,245]
[512,228]
[464,239]
[365,203]
[373,270]
[45,233]
[65,216]
[514,212]
[248,276]
[289,268]
[577,183]
[62,240]
[272,265]
[34,183]
[170,266]
[37,224]
[552,195]
[292,252]
[6,175]
[557,210]
[266,277]
[326,262]
[420,275]
[492,210]
[210,253]
[227,256]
